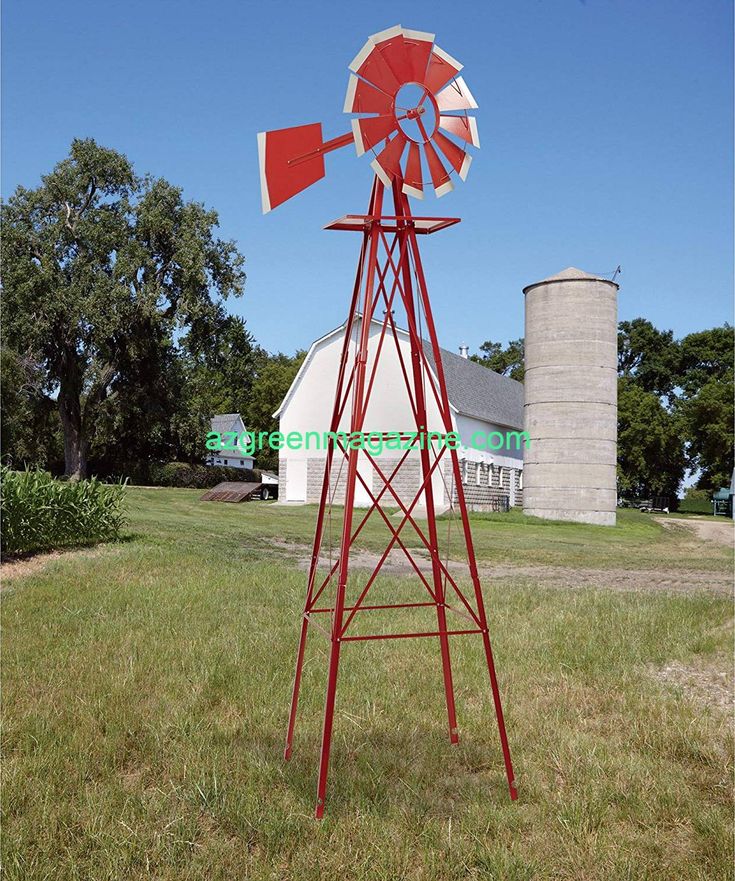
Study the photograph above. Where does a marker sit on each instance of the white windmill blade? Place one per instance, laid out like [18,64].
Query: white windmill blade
[456,96]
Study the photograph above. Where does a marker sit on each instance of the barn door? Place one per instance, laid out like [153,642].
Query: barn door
[296,480]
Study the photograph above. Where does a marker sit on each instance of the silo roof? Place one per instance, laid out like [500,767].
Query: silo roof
[571,273]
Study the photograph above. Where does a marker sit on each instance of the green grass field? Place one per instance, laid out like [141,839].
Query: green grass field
[146,688]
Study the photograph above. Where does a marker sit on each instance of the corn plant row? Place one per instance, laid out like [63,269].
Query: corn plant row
[40,513]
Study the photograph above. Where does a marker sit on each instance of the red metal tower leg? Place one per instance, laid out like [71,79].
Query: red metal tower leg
[400,201]
[356,422]
[319,531]
[296,687]
[318,534]
[463,510]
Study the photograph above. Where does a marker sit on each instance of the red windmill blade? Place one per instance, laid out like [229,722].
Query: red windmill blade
[464,127]
[410,88]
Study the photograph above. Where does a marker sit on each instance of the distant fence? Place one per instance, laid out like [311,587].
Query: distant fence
[496,504]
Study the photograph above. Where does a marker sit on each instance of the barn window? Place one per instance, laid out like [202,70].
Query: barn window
[490,475]
[520,478]
[464,470]
[478,473]
[500,478]
[242,461]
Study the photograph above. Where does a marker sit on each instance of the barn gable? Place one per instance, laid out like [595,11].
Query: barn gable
[473,390]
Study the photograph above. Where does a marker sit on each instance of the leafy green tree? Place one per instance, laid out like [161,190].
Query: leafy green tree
[705,404]
[134,425]
[506,360]
[101,269]
[29,433]
[649,356]
[219,374]
[708,418]
[267,393]
[705,355]
[695,376]
[651,458]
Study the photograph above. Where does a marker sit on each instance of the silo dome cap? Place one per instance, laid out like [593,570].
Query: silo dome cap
[571,273]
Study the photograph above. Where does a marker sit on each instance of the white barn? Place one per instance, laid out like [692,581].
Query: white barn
[480,399]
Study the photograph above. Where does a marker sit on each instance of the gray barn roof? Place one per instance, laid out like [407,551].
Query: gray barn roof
[479,392]
[224,422]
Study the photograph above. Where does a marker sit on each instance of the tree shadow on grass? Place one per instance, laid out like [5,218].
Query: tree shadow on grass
[40,556]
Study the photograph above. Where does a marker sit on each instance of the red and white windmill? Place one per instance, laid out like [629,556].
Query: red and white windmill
[406,93]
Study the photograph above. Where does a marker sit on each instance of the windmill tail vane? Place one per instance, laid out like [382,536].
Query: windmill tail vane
[410,113]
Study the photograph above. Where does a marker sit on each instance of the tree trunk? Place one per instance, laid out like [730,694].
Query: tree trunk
[70,411]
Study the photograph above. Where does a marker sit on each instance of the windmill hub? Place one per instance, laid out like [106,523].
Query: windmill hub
[416,113]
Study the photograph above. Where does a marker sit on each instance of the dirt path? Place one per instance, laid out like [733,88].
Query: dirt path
[707,681]
[653,580]
[12,569]
[720,531]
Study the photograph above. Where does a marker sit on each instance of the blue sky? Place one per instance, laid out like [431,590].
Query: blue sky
[606,132]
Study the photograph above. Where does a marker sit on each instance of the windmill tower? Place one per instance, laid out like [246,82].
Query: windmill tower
[410,107]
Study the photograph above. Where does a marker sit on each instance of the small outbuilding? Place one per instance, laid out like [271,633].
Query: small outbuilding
[224,425]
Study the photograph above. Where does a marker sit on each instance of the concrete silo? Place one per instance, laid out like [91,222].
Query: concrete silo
[570,405]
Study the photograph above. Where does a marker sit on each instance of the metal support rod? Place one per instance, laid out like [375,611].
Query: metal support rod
[390,544]
[356,425]
[463,511]
[362,523]
[381,606]
[318,533]
[422,424]
[408,635]
[326,147]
